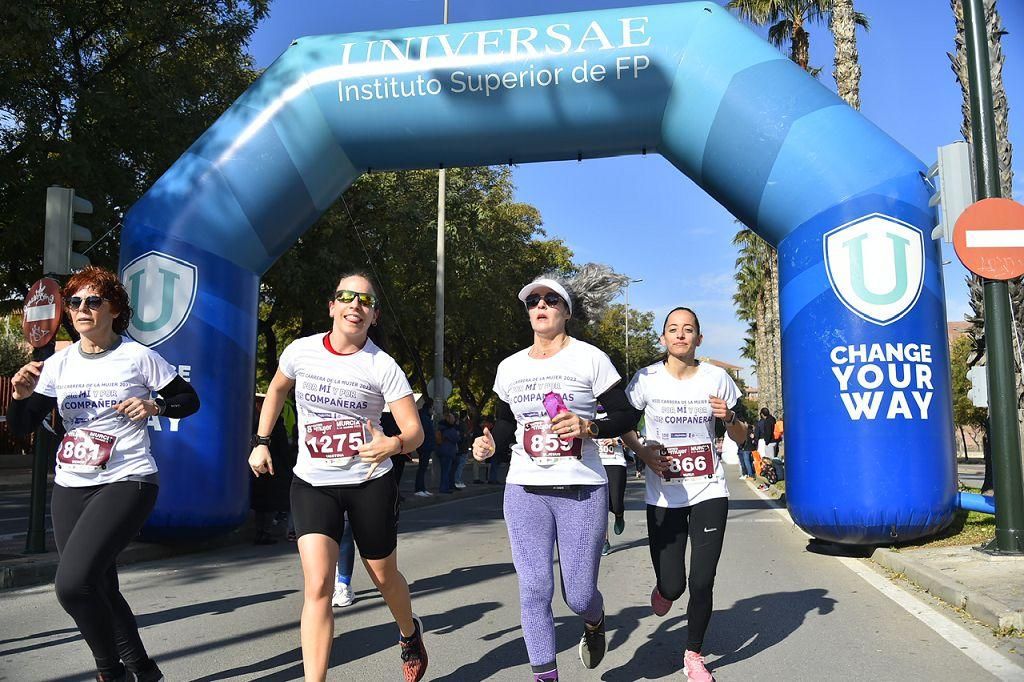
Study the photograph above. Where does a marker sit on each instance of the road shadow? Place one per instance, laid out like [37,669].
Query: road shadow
[748,628]
[214,607]
[353,645]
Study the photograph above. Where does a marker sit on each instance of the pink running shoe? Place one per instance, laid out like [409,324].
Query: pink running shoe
[659,604]
[693,666]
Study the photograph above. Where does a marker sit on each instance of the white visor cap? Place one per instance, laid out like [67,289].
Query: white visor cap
[550,284]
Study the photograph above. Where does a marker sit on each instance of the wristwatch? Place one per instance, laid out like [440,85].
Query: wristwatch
[591,429]
[259,440]
[731,421]
[161,404]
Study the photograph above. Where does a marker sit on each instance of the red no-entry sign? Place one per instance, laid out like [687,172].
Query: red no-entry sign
[989,238]
[42,311]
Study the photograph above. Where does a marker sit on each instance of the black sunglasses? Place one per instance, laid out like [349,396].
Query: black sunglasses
[551,298]
[93,302]
[347,296]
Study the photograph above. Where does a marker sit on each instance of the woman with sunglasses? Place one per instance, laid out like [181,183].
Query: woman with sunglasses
[106,480]
[342,382]
[556,489]
[684,400]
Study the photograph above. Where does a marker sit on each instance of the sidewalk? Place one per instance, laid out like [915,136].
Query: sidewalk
[990,589]
[18,569]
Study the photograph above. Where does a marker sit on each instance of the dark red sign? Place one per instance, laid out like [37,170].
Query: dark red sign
[690,461]
[42,312]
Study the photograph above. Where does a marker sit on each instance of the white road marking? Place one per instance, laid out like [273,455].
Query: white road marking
[954,633]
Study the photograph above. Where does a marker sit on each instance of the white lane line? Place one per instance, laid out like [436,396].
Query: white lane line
[955,634]
[995,238]
[960,637]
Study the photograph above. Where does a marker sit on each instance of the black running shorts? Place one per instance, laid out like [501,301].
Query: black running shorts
[372,509]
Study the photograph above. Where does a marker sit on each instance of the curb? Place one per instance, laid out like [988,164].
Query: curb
[39,569]
[989,611]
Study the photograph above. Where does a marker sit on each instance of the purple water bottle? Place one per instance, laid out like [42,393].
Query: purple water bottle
[554,404]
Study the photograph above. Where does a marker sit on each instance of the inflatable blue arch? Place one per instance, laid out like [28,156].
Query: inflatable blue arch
[866,373]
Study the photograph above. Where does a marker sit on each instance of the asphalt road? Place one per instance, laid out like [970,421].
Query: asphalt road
[780,612]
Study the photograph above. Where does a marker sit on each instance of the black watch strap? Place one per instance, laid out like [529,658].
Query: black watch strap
[260,440]
[161,404]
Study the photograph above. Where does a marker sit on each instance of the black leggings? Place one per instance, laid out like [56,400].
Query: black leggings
[616,489]
[91,526]
[668,529]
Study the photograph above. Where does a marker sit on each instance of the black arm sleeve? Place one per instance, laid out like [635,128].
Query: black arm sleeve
[504,428]
[622,416]
[23,416]
[182,399]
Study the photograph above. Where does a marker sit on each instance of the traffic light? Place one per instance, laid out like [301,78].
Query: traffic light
[978,392]
[61,232]
[954,172]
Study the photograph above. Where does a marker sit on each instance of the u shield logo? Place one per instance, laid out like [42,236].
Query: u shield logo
[162,290]
[875,265]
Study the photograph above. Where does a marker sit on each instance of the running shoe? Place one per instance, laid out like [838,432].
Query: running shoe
[460,486]
[111,677]
[549,676]
[422,493]
[153,674]
[342,595]
[414,654]
[607,548]
[592,645]
[620,525]
[693,666]
[659,604]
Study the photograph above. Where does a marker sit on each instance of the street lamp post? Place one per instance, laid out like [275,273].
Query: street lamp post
[628,282]
[439,289]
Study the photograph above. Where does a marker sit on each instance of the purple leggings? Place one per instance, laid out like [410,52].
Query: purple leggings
[535,522]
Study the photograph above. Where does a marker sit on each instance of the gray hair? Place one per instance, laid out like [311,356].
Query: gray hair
[592,287]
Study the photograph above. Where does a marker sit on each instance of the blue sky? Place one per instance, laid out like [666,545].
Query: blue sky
[619,211]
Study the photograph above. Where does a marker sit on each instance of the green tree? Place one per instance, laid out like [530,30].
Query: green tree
[965,414]
[607,332]
[386,224]
[103,97]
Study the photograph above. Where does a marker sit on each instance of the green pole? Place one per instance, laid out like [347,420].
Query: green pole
[1002,389]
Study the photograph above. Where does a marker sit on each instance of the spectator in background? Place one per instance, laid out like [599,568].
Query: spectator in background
[765,434]
[269,495]
[746,454]
[466,427]
[447,451]
[426,406]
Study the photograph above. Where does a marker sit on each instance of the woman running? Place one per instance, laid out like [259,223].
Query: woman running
[686,493]
[342,381]
[106,480]
[556,490]
[613,459]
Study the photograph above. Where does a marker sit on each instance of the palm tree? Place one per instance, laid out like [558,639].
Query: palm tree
[787,21]
[846,68]
[1004,153]
[753,282]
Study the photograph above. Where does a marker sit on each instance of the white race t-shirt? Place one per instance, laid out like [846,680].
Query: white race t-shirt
[678,415]
[610,450]
[579,373]
[335,395]
[102,445]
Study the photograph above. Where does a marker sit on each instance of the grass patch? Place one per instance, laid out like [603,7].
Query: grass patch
[968,528]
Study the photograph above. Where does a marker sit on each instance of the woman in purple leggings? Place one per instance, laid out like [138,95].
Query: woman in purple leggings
[556,490]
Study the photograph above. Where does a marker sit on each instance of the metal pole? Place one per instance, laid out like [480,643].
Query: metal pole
[35,538]
[627,331]
[439,291]
[1002,392]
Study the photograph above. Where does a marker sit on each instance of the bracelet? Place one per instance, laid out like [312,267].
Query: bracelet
[401,444]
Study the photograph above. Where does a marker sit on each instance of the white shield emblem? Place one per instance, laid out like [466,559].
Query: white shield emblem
[876,266]
[162,290]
